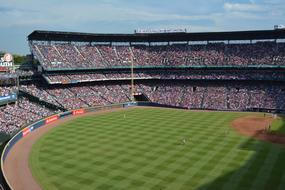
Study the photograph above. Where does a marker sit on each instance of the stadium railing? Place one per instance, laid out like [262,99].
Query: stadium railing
[253,66]
[8,99]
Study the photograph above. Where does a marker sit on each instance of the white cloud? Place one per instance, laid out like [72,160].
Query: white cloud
[125,15]
[76,14]
[250,7]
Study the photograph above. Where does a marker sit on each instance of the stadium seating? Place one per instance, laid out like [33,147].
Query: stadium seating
[212,54]
[217,89]
[200,95]
[6,90]
[169,74]
[15,116]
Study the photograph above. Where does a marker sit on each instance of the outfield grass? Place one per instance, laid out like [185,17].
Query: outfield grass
[142,149]
[278,125]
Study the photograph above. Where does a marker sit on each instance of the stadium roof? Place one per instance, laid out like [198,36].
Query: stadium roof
[40,35]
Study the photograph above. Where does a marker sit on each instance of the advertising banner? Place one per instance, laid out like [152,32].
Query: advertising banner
[78,112]
[26,131]
[3,69]
[51,119]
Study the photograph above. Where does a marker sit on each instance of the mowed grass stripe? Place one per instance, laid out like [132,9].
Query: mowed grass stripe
[141,149]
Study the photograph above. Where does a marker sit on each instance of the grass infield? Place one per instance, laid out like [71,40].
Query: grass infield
[143,149]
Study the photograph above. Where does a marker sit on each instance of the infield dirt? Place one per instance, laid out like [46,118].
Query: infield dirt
[258,128]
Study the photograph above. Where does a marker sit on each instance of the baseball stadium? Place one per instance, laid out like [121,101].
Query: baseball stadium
[172,110]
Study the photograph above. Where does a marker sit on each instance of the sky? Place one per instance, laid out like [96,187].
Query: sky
[19,18]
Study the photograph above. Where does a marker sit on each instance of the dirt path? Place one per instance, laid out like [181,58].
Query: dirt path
[16,165]
[256,127]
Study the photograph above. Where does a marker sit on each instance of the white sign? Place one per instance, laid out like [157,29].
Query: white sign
[6,60]
[8,57]
[153,31]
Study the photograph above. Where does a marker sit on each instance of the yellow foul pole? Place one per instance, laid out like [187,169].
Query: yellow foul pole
[132,78]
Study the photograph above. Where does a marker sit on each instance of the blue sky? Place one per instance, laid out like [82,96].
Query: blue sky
[18,18]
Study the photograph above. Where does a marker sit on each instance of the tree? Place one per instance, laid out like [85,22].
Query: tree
[19,59]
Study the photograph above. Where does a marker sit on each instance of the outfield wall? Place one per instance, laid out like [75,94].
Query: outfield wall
[43,122]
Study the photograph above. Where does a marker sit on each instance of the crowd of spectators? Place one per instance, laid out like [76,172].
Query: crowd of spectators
[7,90]
[39,92]
[17,115]
[109,55]
[224,96]
[219,97]
[211,54]
[92,56]
[24,73]
[80,96]
[169,74]
[193,95]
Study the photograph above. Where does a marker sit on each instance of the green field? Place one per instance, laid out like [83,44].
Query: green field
[278,125]
[142,149]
